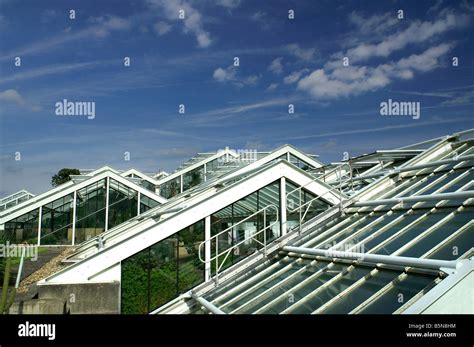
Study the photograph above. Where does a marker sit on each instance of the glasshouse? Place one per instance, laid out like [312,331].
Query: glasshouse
[244,232]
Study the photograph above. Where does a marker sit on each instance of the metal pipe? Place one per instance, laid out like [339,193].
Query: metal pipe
[415,167]
[425,142]
[375,258]
[161,213]
[417,198]
[436,163]
[209,306]
[20,268]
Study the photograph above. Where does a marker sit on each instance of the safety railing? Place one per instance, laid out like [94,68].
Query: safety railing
[228,251]
[299,208]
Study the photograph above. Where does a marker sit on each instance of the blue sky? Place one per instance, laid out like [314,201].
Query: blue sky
[190,61]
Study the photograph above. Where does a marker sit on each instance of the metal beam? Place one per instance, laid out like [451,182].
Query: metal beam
[416,167]
[207,304]
[376,258]
[417,198]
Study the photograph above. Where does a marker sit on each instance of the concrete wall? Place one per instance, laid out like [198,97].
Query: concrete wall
[93,298]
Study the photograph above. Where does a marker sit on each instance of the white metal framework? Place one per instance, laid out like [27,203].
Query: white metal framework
[374,234]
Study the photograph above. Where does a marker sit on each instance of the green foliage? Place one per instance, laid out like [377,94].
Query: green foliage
[155,276]
[63,176]
[162,285]
[7,300]
[134,288]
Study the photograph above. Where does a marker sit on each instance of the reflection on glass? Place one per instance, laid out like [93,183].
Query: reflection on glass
[310,206]
[147,185]
[146,203]
[234,214]
[193,178]
[22,229]
[300,163]
[159,273]
[90,211]
[171,188]
[122,203]
[56,221]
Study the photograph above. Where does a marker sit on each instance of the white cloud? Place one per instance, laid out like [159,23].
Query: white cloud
[417,32]
[462,99]
[251,80]
[161,27]
[354,80]
[224,75]
[107,24]
[301,53]
[258,16]
[230,75]
[272,87]
[426,61]
[261,18]
[101,27]
[192,18]
[228,3]
[294,76]
[48,70]
[276,66]
[378,129]
[203,39]
[12,96]
[375,24]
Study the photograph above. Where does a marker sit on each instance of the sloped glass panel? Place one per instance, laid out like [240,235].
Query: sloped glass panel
[90,211]
[56,221]
[400,293]
[171,188]
[123,203]
[22,229]
[146,203]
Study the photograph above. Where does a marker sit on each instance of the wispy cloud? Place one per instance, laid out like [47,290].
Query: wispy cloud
[272,87]
[57,69]
[379,129]
[276,66]
[229,74]
[193,22]
[229,4]
[465,98]
[417,32]
[161,27]
[100,27]
[306,54]
[213,116]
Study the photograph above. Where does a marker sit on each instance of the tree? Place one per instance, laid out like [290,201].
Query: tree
[63,176]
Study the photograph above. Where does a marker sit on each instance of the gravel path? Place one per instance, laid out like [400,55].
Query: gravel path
[51,267]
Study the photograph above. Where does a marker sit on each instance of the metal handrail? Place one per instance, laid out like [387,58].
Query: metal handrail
[339,167]
[300,206]
[340,175]
[228,251]
[302,216]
